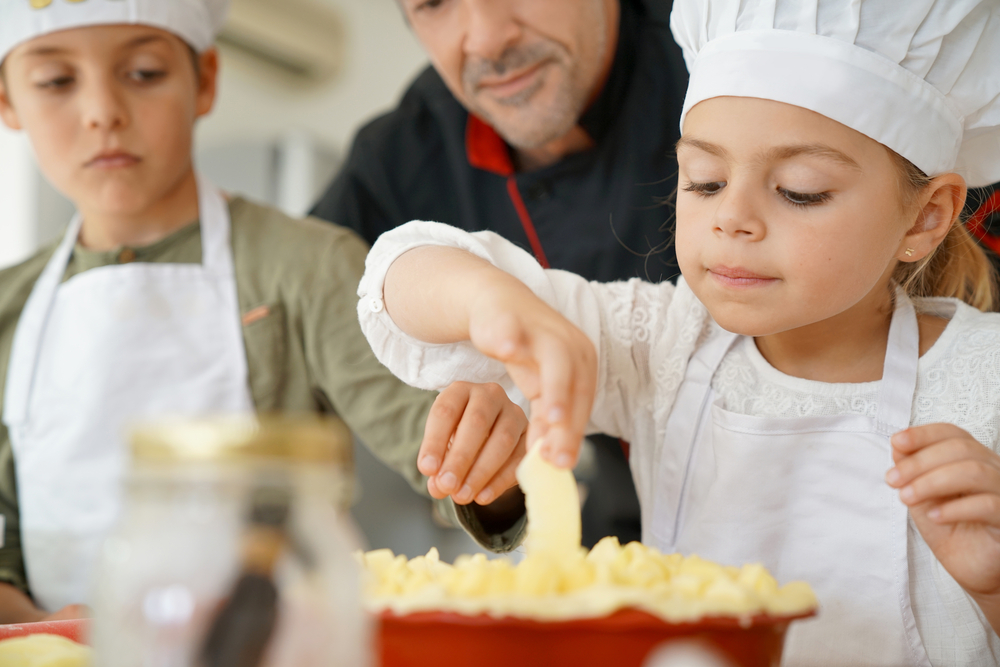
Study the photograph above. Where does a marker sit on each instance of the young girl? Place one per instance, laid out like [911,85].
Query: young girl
[163,297]
[820,391]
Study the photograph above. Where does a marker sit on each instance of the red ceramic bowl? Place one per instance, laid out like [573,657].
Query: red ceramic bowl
[624,639]
[75,630]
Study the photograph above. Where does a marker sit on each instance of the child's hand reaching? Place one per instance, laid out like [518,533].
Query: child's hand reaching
[550,359]
[474,439]
[951,484]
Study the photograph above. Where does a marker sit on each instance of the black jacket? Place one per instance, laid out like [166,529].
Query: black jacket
[598,213]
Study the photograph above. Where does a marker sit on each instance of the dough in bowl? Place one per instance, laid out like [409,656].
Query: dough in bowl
[43,651]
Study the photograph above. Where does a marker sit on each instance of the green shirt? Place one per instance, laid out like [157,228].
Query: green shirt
[297,284]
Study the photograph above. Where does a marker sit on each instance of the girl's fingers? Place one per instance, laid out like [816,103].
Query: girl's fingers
[568,380]
[502,443]
[924,460]
[505,478]
[978,508]
[442,420]
[966,477]
[918,437]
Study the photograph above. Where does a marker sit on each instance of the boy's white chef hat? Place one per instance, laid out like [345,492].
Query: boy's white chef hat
[919,76]
[197,22]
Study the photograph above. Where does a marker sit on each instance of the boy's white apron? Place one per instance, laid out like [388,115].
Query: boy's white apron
[107,347]
[807,498]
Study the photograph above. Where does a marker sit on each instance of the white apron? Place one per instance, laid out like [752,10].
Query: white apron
[807,498]
[110,346]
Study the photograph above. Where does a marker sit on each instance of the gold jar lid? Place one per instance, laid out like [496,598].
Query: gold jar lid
[291,439]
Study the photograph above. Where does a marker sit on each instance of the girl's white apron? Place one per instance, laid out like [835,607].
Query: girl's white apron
[108,347]
[807,498]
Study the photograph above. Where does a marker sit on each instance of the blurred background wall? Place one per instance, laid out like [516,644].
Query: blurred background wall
[298,78]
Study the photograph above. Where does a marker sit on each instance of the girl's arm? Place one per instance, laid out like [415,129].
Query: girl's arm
[476,308]
[443,295]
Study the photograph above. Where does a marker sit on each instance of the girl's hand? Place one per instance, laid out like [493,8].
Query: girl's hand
[445,295]
[552,362]
[951,484]
[473,440]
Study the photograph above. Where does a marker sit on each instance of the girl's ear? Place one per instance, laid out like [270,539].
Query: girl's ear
[7,112]
[208,73]
[940,205]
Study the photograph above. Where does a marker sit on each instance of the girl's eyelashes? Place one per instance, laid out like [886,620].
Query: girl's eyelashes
[804,199]
[704,189]
[801,199]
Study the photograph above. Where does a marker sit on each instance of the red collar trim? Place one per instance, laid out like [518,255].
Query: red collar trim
[485,148]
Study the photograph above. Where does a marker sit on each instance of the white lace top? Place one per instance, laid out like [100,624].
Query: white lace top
[645,333]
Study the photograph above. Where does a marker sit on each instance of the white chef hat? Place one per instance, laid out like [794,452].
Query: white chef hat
[197,22]
[919,76]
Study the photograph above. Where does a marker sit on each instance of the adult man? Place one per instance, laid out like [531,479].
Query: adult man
[550,122]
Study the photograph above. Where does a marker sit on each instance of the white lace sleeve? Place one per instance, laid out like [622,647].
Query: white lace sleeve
[624,320]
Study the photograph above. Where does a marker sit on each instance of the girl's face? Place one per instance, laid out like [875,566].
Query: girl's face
[785,218]
[110,111]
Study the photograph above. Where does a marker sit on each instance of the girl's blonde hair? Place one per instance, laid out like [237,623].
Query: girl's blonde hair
[958,268]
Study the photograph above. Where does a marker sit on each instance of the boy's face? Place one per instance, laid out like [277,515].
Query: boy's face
[785,218]
[110,111]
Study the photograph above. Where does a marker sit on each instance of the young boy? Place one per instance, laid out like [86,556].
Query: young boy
[164,297]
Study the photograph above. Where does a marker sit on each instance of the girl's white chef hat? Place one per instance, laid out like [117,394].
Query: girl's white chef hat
[919,76]
[197,22]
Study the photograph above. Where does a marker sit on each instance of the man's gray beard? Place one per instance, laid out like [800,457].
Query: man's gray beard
[530,128]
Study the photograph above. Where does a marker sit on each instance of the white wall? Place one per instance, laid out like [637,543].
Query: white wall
[381,57]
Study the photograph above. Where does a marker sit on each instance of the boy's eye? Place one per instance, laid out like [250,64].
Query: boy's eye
[146,75]
[56,83]
[705,189]
[802,198]
[428,5]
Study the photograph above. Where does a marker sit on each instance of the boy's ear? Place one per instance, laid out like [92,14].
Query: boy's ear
[7,112]
[940,203]
[208,73]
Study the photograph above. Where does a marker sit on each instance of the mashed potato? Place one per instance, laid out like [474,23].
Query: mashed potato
[560,580]
[43,651]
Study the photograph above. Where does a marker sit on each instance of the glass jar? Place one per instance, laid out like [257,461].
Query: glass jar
[234,549]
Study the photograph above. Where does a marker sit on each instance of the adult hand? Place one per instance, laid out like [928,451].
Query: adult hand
[474,439]
[951,483]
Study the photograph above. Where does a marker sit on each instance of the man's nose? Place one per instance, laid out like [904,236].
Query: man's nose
[103,105]
[492,28]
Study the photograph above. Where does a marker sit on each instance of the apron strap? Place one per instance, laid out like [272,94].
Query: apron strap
[217,257]
[899,375]
[706,359]
[31,326]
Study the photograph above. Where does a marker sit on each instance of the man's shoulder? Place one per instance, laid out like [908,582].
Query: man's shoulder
[425,114]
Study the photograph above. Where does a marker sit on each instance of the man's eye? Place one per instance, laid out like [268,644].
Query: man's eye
[146,75]
[705,189]
[804,199]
